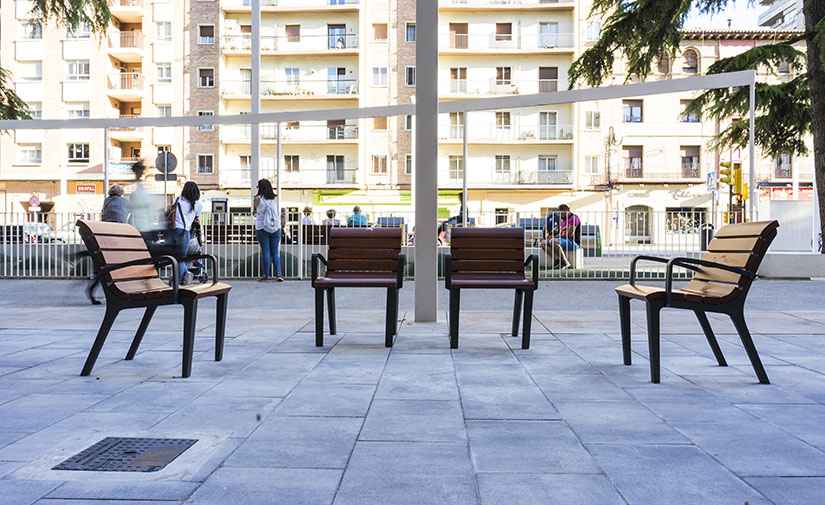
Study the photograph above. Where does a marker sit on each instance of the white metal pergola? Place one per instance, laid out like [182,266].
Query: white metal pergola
[426,110]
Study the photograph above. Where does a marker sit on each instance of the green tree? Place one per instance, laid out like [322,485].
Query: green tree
[642,30]
[68,13]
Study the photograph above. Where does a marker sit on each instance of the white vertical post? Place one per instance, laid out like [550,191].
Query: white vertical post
[752,150]
[255,93]
[278,162]
[464,164]
[426,159]
[105,162]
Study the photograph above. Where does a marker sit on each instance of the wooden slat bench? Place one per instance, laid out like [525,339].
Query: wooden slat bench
[359,258]
[720,284]
[130,279]
[490,258]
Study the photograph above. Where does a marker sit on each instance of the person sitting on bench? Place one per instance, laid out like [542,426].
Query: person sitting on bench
[568,238]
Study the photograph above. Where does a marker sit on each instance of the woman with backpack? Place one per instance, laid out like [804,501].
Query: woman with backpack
[187,209]
[267,229]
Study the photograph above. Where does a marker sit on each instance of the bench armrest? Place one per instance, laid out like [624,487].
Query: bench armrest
[315,258]
[656,259]
[534,259]
[211,259]
[154,260]
[402,262]
[448,270]
[690,264]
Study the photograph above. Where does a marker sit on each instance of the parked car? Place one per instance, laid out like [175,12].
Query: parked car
[40,233]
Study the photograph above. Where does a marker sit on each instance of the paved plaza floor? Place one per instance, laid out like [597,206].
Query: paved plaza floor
[279,421]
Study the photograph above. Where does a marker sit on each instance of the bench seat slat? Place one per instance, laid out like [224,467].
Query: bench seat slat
[116,257]
[113,243]
[367,242]
[487,254]
[756,229]
[487,243]
[746,244]
[374,265]
[136,272]
[516,266]
[339,253]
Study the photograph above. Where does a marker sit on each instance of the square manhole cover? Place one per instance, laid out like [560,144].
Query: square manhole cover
[120,454]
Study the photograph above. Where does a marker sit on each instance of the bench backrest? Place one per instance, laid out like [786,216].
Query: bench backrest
[494,251]
[373,250]
[115,243]
[736,245]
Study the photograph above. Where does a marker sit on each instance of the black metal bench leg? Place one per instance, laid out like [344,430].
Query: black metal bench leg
[392,294]
[331,308]
[528,319]
[624,320]
[653,310]
[517,312]
[714,345]
[319,317]
[220,325]
[144,325]
[455,303]
[747,342]
[102,333]
[397,305]
[190,318]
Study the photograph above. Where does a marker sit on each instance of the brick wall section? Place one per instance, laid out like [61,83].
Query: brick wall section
[404,12]
[203,56]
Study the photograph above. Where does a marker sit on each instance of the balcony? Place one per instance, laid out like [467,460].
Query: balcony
[344,89]
[127,11]
[634,170]
[342,44]
[481,87]
[126,134]
[549,43]
[305,133]
[785,173]
[311,176]
[492,177]
[497,5]
[492,134]
[126,46]
[280,6]
[126,86]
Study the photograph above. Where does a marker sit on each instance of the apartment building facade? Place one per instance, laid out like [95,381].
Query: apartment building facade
[134,70]
[782,14]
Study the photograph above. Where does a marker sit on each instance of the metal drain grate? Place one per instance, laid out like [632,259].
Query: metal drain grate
[120,454]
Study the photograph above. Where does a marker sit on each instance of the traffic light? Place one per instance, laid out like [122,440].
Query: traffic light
[745,192]
[737,181]
[725,172]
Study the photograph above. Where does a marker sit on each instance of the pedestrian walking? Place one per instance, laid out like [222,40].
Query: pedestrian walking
[187,208]
[268,229]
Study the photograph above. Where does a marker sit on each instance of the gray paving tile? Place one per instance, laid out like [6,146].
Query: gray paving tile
[617,423]
[24,492]
[580,388]
[153,397]
[36,411]
[527,447]
[506,402]
[542,489]
[408,473]
[418,377]
[802,421]
[334,400]
[671,475]
[268,486]
[298,442]
[212,414]
[790,490]
[60,501]
[96,490]
[414,420]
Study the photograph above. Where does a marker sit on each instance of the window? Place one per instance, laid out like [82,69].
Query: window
[292,163]
[592,120]
[37,110]
[456,125]
[163,148]
[686,117]
[409,76]
[548,79]
[206,164]
[410,32]
[78,110]
[379,76]
[379,164]
[206,127]
[293,33]
[78,153]
[591,165]
[684,219]
[690,161]
[502,76]
[206,77]
[164,110]
[502,164]
[293,75]
[83,31]
[379,32]
[164,72]
[408,164]
[29,154]
[30,70]
[502,216]
[77,70]
[456,167]
[691,63]
[632,158]
[547,164]
[32,30]
[164,31]
[592,31]
[784,67]
[502,120]
[783,167]
[458,79]
[504,31]
[379,123]
[632,111]
[408,123]
[206,34]
[663,63]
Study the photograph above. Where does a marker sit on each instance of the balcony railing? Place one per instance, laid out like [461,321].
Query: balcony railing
[126,128]
[295,44]
[506,42]
[126,3]
[512,177]
[126,40]
[312,175]
[492,3]
[301,133]
[126,81]
[288,3]
[306,88]
[488,132]
[498,86]
[658,171]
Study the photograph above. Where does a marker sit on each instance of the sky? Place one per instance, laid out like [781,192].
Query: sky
[741,14]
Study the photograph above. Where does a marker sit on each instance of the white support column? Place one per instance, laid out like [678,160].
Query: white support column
[464,164]
[426,160]
[256,97]
[752,153]
[278,163]
[105,162]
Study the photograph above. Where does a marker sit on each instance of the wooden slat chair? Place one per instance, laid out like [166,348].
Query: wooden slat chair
[490,258]
[359,258]
[130,279]
[720,284]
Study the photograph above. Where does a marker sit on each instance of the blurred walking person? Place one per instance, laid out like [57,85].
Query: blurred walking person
[268,229]
[187,210]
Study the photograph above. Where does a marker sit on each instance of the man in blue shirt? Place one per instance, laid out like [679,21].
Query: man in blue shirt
[357,219]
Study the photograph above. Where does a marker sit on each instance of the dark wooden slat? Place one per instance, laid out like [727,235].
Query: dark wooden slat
[755,229]
[110,257]
[362,233]
[380,254]
[487,233]
[487,243]
[118,243]
[488,254]
[366,243]
[370,265]
[487,266]
[747,244]
[136,272]
[106,228]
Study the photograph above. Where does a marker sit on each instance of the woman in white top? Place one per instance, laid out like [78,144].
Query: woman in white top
[268,229]
[187,210]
